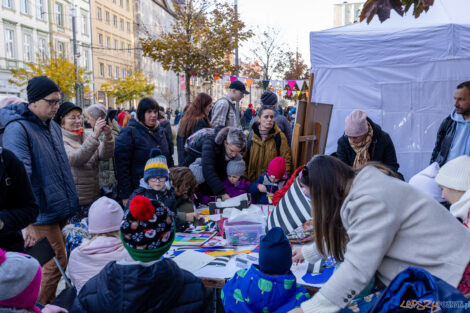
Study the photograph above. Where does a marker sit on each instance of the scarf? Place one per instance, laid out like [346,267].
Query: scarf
[78,132]
[263,133]
[362,148]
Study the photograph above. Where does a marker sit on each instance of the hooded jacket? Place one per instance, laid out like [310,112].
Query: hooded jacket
[132,151]
[166,196]
[461,140]
[263,179]
[239,188]
[142,288]
[41,149]
[262,152]
[250,290]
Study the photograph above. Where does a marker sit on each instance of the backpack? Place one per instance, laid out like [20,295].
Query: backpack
[193,143]
[277,139]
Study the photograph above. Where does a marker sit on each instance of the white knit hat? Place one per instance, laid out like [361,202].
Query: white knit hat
[455,174]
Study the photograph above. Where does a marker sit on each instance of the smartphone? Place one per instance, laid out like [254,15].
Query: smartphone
[110,115]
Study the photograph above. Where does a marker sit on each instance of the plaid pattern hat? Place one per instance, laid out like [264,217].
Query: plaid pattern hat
[156,165]
[147,229]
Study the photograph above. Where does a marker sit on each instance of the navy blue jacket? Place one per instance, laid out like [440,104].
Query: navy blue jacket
[161,287]
[42,152]
[132,151]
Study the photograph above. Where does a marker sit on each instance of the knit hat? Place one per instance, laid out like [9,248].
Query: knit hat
[275,252]
[96,111]
[20,280]
[356,124]
[196,168]
[105,216]
[455,174]
[40,87]
[65,108]
[277,168]
[268,98]
[147,230]
[156,165]
[236,167]
[425,182]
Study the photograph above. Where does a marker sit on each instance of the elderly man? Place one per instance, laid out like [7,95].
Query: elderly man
[37,142]
[224,113]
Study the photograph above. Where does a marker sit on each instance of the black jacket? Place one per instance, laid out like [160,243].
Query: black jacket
[18,207]
[214,165]
[444,139]
[161,287]
[381,149]
[180,141]
[132,150]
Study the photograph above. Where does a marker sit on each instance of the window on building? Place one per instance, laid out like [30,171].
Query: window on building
[7,4]
[86,59]
[114,20]
[101,69]
[106,17]
[25,9]
[10,43]
[108,42]
[129,49]
[121,24]
[116,44]
[123,73]
[123,46]
[127,5]
[61,49]
[85,24]
[128,27]
[110,71]
[121,3]
[59,13]
[27,48]
[98,13]
[40,10]
[100,39]
[117,72]
[42,48]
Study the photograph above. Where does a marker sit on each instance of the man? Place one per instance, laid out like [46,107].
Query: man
[37,142]
[224,112]
[453,137]
[18,206]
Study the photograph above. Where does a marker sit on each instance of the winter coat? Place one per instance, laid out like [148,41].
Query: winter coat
[250,290]
[87,260]
[132,150]
[18,207]
[239,188]
[84,154]
[381,149]
[41,149]
[133,287]
[166,126]
[106,167]
[183,206]
[166,196]
[263,179]
[391,226]
[262,153]
[282,122]
[180,140]
[224,113]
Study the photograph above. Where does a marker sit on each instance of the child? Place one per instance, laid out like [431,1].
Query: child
[184,184]
[154,183]
[147,283]
[267,184]
[235,184]
[104,219]
[454,179]
[269,287]
[196,169]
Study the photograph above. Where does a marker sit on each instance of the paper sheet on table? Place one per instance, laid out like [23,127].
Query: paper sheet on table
[300,270]
[218,272]
[191,260]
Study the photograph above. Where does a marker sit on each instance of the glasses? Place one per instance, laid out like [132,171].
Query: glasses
[51,101]
[157,179]
[74,117]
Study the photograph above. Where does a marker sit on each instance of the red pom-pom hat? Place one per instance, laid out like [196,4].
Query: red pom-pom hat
[141,208]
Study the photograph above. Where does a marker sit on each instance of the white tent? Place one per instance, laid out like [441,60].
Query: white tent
[402,72]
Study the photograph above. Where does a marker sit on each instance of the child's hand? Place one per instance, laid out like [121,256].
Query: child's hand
[297,256]
[225,197]
[262,188]
[191,217]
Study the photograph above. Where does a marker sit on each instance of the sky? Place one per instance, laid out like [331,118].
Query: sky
[295,18]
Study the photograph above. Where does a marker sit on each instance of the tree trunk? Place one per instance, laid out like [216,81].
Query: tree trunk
[187,86]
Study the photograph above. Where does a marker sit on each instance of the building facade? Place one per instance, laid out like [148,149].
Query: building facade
[347,13]
[112,43]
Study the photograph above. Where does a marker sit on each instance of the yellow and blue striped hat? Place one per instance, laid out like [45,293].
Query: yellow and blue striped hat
[156,165]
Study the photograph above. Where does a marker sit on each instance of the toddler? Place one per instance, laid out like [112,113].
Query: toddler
[235,184]
[184,184]
[268,183]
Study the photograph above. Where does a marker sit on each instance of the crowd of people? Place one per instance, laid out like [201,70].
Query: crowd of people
[119,184]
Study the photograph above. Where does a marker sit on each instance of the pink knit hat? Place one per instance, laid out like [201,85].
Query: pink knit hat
[277,168]
[105,216]
[356,124]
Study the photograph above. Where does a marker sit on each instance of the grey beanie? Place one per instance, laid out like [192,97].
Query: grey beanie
[96,111]
[196,168]
[236,167]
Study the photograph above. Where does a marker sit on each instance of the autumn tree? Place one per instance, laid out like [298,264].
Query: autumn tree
[204,33]
[132,87]
[383,7]
[268,51]
[296,68]
[56,67]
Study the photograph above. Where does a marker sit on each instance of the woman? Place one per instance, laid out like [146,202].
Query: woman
[265,142]
[133,146]
[195,117]
[376,224]
[364,141]
[84,151]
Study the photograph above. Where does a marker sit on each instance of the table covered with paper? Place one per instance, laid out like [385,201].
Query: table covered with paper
[202,249]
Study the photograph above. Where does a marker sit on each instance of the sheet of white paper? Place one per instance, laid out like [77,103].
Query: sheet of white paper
[191,260]
[214,217]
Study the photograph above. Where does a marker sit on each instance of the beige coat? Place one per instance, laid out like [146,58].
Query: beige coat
[84,155]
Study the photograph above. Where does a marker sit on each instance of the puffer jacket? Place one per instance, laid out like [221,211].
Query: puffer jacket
[263,152]
[41,149]
[250,290]
[132,150]
[107,173]
[84,154]
[135,288]
[166,196]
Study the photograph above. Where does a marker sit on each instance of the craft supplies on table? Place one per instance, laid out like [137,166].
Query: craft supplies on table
[192,239]
[243,233]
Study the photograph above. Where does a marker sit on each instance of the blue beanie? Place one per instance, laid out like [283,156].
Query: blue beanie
[156,165]
[275,252]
